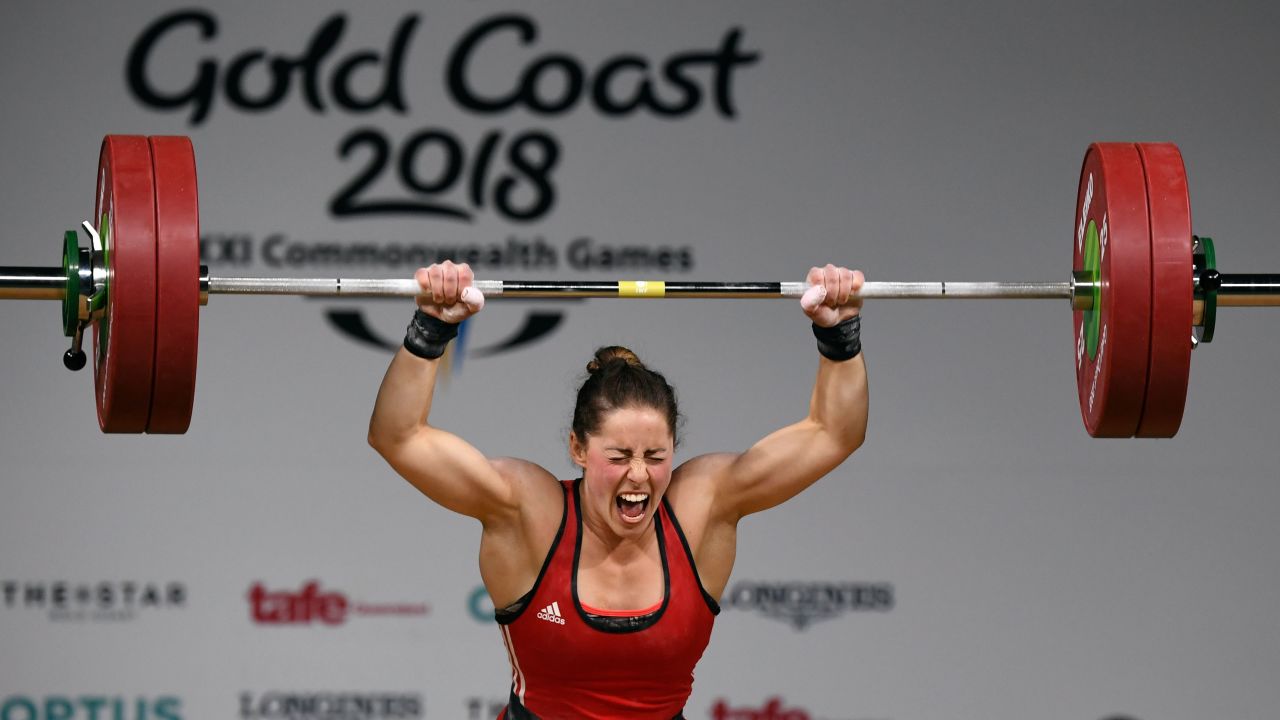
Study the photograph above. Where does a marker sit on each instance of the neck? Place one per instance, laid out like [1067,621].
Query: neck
[603,542]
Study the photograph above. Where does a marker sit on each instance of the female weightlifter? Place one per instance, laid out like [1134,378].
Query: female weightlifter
[607,586]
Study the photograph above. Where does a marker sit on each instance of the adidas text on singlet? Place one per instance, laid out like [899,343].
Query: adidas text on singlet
[568,663]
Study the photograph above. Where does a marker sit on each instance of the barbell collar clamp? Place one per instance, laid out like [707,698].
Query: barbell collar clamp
[75,359]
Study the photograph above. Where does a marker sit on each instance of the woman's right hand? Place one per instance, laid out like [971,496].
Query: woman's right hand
[447,293]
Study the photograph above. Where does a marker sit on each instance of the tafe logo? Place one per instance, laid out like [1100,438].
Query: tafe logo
[310,605]
[303,607]
[772,710]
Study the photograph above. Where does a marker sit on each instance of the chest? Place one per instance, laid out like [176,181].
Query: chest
[631,584]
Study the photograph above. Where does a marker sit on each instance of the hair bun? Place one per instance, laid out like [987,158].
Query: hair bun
[613,354]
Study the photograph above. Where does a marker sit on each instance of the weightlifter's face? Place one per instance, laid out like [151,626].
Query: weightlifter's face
[626,468]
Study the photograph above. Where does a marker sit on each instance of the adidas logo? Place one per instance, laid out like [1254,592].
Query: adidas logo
[551,613]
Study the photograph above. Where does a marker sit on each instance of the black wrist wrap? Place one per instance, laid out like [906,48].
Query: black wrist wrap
[427,336]
[842,341]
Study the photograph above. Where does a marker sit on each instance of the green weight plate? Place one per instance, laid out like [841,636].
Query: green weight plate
[71,292]
[1210,317]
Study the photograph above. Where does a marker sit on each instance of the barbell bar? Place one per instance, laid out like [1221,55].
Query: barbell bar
[48,283]
[1143,289]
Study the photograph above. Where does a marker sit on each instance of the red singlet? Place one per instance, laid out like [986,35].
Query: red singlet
[567,663]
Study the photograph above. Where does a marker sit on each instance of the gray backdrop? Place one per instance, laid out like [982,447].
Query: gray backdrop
[980,557]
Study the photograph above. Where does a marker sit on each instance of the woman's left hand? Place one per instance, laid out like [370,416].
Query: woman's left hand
[831,298]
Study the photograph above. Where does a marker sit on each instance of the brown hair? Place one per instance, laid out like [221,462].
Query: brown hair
[616,379]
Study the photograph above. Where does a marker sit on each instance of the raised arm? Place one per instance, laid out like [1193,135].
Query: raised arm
[791,459]
[443,466]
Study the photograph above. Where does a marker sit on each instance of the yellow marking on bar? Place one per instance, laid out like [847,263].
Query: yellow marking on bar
[642,288]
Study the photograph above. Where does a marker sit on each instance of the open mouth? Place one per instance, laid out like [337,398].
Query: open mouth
[632,506]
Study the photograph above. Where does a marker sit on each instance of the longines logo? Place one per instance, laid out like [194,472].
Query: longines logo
[107,600]
[804,603]
[275,705]
[312,605]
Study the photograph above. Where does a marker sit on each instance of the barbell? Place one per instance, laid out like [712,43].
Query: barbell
[1143,289]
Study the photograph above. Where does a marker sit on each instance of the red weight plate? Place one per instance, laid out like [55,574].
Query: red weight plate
[177,284]
[1169,215]
[124,340]
[1112,381]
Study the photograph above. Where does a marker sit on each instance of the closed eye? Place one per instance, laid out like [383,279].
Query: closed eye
[651,459]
